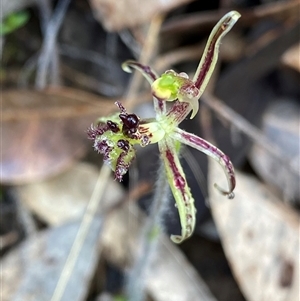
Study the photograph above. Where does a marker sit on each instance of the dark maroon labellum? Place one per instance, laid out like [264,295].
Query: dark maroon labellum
[130,123]
[112,126]
[123,144]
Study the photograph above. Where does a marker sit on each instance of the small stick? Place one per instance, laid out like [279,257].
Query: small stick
[146,54]
[88,217]
[244,126]
[204,20]
[163,62]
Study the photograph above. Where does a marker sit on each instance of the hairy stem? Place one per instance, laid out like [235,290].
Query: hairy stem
[136,280]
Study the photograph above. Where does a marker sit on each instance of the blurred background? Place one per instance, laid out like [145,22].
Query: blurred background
[68,230]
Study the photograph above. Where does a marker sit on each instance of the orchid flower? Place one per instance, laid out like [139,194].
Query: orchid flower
[115,136]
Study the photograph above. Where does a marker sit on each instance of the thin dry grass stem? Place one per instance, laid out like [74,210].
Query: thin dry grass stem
[45,13]
[165,61]
[196,170]
[140,190]
[67,112]
[27,70]
[49,45]
[88,107]
[26,218]
[244,126]
[88,82]
[45,16]
[145,56]
[205,115]
[187,23]
[129,40]
[277,9]
[205,120]
[90,213]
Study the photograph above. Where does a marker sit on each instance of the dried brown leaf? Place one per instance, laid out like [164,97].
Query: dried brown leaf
[65,197]
[260,236]
[280,125]
[291,57]
[36,265]
[43,132]
[169,277]
[117,15]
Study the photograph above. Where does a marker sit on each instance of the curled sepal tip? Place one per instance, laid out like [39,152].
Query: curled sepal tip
[147,72]
[230,195]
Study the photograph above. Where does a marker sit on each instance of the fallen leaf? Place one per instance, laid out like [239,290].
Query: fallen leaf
[31,271]
[244,98]
[280,124]
[260,236]
[65,197]
[43,132]
[169,275]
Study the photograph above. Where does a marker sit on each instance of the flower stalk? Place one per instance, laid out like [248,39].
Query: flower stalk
[115,136]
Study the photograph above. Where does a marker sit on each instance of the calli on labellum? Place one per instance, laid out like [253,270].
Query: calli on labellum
[115,136]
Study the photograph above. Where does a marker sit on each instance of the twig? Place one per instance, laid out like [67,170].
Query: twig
[146,54]
[163,62]
[86,55]
[128,39]
[203,20]
[8,239]
[251,131]
[83,103]
[196,170]
[89,215]
[88,82]
[45,15]
[49,43]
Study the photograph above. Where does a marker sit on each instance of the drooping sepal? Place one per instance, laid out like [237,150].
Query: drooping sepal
[180,189]
[212,151]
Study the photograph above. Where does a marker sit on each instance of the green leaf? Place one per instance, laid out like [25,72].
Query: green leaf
[13,22]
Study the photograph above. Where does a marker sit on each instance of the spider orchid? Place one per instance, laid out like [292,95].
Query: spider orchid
[116,136]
